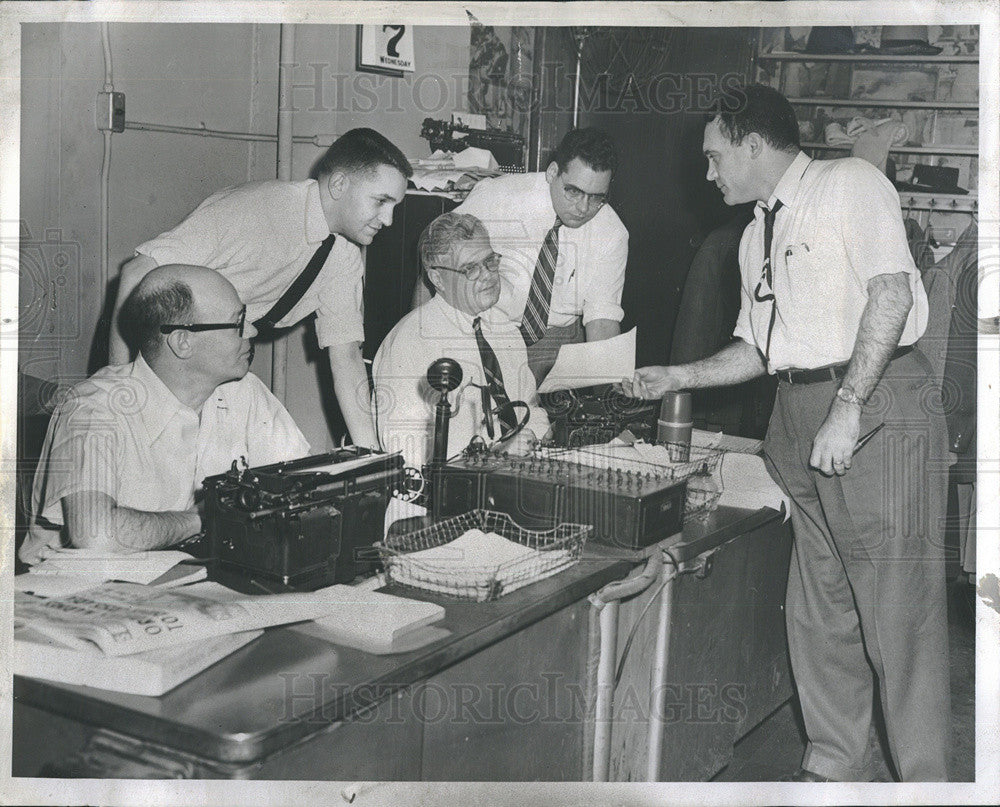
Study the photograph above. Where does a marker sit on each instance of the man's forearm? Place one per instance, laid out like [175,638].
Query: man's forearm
[94,521]
[350,385]
[136,530]
[882,323]
[598,330]
[734,364]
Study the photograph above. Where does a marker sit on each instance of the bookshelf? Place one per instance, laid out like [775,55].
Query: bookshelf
[934,96]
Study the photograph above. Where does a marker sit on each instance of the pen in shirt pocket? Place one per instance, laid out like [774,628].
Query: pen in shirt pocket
[794,248]
[865,438]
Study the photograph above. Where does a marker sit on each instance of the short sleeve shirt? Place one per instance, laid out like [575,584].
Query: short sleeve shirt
[590,269]
[260,236]
[123,433]
[839,226]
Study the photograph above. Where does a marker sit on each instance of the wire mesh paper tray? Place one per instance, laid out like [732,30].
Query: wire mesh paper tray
[466,578]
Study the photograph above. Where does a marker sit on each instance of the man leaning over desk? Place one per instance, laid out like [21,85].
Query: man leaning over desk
[459,261]
[563,248]
[291,249]
[127,449]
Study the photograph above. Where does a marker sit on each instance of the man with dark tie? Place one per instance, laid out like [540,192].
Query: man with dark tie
[833,304]
[292,249]
[459,261]
[563,248]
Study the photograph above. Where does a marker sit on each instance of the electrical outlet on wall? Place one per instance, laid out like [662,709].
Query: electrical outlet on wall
[111,111]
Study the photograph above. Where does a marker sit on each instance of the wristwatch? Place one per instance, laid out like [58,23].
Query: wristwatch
[848,395]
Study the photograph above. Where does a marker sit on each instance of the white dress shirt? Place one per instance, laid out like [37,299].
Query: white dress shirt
[404,403]
[123,433]
[260,236]
[590,271]
[840,226]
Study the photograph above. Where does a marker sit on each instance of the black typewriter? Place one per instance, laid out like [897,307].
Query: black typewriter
[298,525]
[590,415]
[506,147]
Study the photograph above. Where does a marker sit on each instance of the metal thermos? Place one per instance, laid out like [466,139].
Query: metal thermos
[675,424]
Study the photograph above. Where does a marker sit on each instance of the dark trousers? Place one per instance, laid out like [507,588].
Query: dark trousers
[542,354]
[865,605]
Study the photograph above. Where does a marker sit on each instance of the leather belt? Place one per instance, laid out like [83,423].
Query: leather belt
[833,372]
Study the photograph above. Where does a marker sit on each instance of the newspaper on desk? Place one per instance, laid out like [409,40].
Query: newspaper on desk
[124,618]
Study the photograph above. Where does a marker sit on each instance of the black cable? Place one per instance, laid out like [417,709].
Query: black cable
[628,642]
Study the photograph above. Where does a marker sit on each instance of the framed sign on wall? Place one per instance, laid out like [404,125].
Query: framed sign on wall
[386,49]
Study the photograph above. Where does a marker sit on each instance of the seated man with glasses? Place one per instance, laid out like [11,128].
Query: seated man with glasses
[459,261]
[563,248]
[127,449]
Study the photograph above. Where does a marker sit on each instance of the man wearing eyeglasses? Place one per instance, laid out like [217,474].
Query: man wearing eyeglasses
[291,249]
[833,304]
[127,449]
[563,248]
[497,391]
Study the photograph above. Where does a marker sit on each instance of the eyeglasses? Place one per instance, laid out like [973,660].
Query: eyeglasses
[473,271]
[574,195]
[210,326]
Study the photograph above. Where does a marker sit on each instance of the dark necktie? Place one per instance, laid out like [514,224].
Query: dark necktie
[536,312]
[494,379]
[767,276]
[298,287]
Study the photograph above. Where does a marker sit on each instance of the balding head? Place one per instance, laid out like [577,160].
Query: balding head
[170,294]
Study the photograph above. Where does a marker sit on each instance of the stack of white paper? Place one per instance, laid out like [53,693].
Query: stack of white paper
[746,483]
[64,571]
[476,561]
[590,363]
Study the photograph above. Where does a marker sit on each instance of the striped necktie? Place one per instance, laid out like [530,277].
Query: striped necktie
[536,312]
[494,379]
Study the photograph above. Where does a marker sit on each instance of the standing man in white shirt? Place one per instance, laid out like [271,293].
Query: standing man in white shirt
[127,449]
[291,249]
[563,249]
[833,304]
[459,261]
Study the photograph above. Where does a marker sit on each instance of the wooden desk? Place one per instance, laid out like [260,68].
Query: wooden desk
[505,696]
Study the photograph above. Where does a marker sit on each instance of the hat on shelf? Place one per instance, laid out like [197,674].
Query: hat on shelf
[906,40]
[831,39]
[932,179]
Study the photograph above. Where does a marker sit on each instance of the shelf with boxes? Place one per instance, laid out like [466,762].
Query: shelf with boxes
[956,151]
[923,96]
[791,56]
